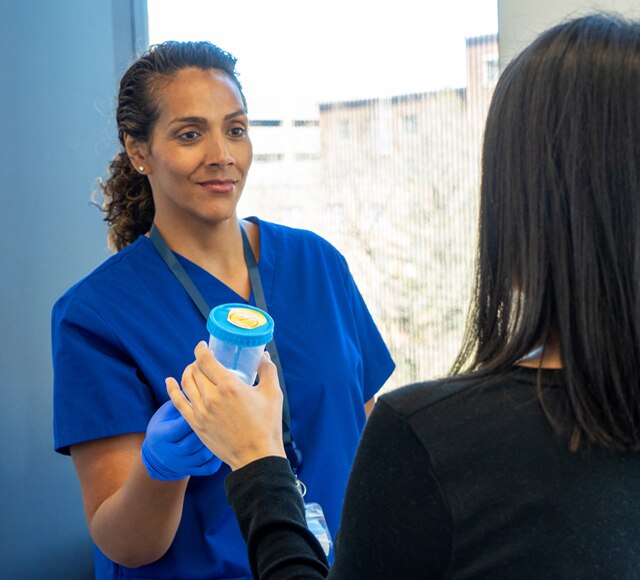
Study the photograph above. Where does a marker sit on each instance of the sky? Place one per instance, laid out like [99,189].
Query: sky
[292,53]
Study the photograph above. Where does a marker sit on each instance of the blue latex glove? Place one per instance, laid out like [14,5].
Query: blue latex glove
[172,451]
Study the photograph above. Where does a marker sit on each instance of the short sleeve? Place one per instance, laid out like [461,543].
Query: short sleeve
[98,390]
[377,364]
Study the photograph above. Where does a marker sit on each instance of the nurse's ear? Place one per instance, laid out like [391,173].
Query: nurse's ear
[139,154]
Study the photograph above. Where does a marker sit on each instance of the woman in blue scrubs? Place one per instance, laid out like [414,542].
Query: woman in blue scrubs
[153,494]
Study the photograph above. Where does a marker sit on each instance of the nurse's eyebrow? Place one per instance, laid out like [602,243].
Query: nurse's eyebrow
[203,121]
[238,113]
[197,120]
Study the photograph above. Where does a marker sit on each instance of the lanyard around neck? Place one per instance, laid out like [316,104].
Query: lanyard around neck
[293,453]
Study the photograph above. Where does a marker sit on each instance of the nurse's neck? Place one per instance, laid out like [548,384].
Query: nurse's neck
[215,247]
[543,356]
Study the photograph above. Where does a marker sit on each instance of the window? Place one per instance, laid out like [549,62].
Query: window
[265,123]
[370,136]
[410,124]
[491,69]
[345,128]
[268,157]
[306,123]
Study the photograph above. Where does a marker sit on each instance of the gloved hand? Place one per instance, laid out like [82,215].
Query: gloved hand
[172,451]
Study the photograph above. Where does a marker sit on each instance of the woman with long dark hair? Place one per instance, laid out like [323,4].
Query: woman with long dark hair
[524,463]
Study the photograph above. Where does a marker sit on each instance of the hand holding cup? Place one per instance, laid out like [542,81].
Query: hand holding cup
[237,422]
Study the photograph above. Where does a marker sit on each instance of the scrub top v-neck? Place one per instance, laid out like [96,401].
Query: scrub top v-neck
[294,455]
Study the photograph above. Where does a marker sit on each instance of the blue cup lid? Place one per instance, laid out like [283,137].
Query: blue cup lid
[240,325]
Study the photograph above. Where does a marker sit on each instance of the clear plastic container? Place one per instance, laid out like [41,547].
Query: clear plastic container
[238,334]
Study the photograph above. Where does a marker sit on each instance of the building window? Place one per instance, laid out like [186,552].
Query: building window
[308,157]
[344,128]
[265,123]
[268,157]
[491,69]
[306,123]
[410,124]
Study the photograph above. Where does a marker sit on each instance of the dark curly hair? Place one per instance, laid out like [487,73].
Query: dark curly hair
[128,203]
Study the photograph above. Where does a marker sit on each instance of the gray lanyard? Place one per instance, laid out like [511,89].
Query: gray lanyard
[293,453]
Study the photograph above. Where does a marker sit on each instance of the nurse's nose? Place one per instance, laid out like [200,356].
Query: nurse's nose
[217,153]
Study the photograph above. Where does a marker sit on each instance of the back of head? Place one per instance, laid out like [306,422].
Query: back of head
[128,204]
[559,247]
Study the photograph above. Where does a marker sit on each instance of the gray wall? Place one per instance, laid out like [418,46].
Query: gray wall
[519,21]
[60,61]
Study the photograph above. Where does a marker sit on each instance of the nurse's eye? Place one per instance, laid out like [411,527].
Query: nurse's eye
[189,136]
[238,131]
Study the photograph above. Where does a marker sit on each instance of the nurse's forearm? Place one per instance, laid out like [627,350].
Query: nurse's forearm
[136,524]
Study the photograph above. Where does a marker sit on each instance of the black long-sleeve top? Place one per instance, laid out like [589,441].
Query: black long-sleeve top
[457,480]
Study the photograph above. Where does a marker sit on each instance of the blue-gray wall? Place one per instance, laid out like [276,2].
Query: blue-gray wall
[60,61]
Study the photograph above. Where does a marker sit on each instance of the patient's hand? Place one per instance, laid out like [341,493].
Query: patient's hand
[237,422]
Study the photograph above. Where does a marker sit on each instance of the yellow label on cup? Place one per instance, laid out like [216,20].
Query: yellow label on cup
[246,318]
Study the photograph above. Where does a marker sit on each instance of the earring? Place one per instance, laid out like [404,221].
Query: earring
[141,169]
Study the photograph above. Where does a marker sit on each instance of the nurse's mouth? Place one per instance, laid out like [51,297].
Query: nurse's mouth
[219,185]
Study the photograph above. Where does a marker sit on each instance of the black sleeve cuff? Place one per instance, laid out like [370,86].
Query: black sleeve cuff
[270,512]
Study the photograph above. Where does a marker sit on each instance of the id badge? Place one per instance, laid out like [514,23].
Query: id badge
[318,525]
[316,522]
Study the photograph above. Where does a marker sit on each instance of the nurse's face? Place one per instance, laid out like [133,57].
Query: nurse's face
[199,152]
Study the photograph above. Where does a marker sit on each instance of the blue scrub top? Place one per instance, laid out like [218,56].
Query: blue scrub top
[119,332]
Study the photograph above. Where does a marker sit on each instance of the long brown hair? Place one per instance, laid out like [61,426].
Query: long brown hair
[559,239]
